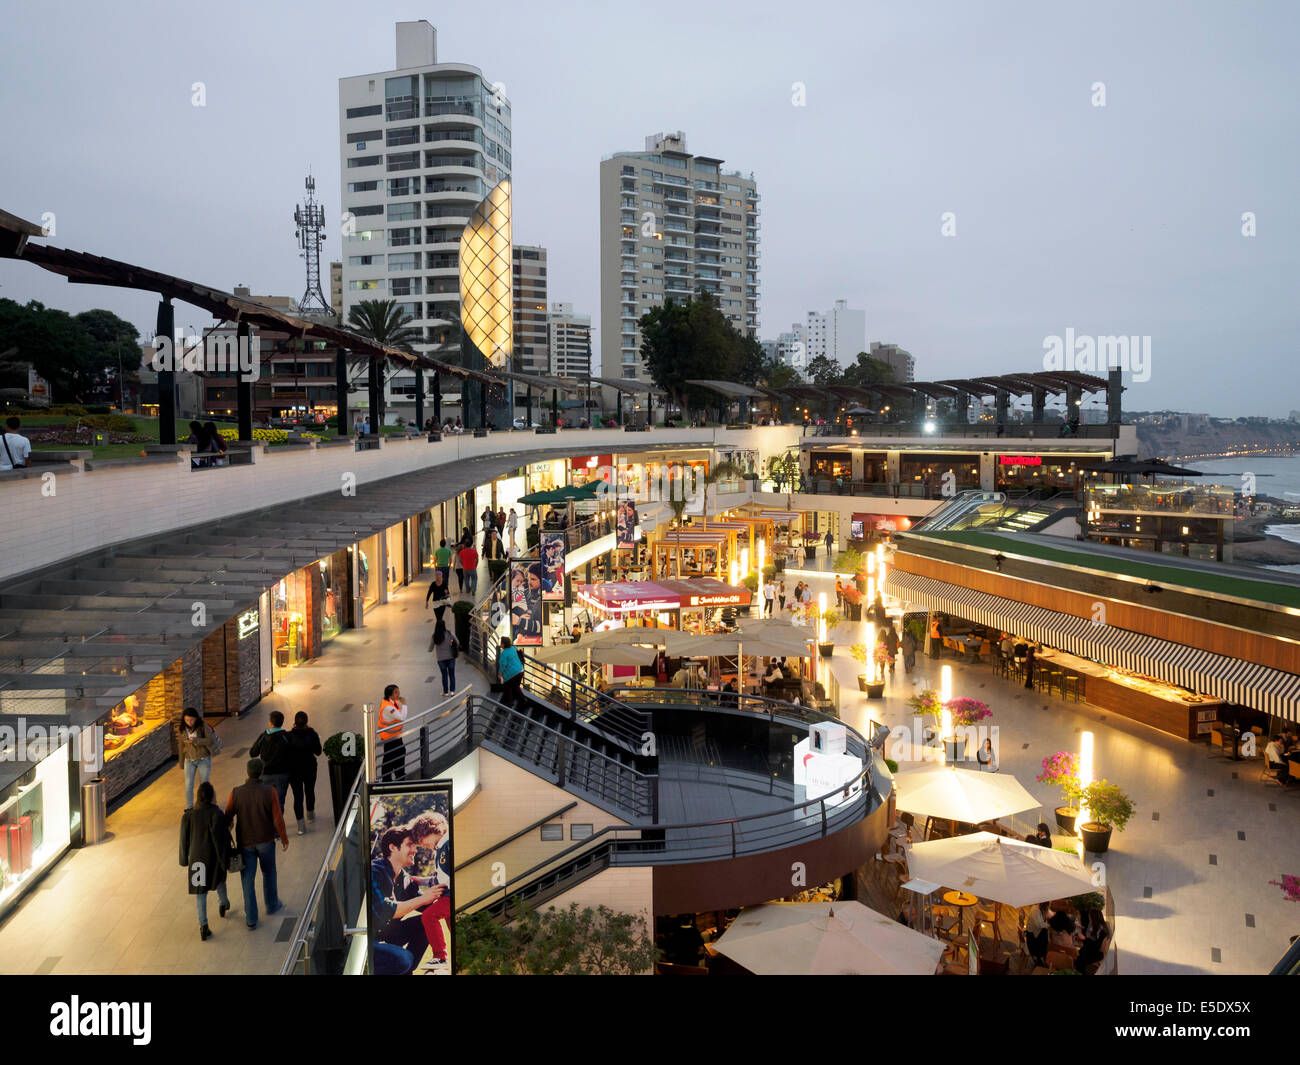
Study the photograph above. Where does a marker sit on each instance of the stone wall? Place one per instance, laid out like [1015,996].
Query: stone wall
[192,678]
[125,770]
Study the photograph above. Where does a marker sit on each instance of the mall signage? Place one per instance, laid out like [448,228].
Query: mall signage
[723,599]
[1020,460]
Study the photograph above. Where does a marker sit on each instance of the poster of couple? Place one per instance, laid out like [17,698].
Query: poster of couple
[410,897]
[553,548]
[527,587]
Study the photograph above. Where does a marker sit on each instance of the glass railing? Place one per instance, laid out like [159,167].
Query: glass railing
[1162,498]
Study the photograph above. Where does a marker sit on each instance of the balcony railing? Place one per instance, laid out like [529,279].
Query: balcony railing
[1190,500]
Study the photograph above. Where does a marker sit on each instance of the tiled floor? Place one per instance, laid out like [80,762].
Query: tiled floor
[1191,885]
[122,907]
[1190,874]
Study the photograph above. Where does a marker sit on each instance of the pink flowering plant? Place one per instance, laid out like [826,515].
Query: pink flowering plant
[967,712]
[1290,886]
[1062,770]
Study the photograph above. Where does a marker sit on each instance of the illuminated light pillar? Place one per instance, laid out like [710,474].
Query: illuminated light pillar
[871,652]
[821,622]
[871,589]
[734,574]
[744,561]
[1085,776]
[945,718]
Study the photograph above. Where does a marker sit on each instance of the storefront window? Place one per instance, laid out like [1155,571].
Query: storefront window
[367,579]
[35,819]
[288,623]
[334,584]
[396,557]
[930,470]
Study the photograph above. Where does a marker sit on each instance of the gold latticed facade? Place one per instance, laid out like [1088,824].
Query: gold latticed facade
[485,277]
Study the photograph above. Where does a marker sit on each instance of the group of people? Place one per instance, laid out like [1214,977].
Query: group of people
[1084,940]
[465,558]
[1283,749]
[209,445]
[255,811]
[448,426]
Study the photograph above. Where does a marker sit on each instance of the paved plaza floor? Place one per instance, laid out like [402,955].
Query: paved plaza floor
[1189,875]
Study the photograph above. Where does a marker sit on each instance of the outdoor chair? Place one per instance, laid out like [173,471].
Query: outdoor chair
[1059,961]
[1272,771]
[947,922]
[1216,741]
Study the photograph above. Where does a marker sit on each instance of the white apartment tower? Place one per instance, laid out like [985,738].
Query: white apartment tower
[839,334]
[419,147]
[570,342]
[531,343]
[672,224]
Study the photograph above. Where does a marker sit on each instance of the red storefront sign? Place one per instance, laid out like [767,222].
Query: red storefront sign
[1020,460]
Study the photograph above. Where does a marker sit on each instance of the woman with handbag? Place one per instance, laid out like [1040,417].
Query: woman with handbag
[443,645]
[205,850]
[197,743]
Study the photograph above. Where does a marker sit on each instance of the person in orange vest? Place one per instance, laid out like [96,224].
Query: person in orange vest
[936,636]
[392,715]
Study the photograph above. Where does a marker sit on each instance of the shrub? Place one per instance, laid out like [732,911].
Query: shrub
[345,747]
[1059,769]
[117,423]
[1090,900]
[99,408]
[750,582]
[967,712]
[1107,804]
[892,765]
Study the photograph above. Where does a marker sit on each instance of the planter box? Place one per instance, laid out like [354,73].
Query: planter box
[876,691]
[855,611]
[1096,838]
[810,552]
[826,650]
[342,775]
[1065,816]
[480,433]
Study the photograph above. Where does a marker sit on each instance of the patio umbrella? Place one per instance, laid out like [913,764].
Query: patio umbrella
[669,639]
[1004,870]
[565,494]
[960,794]
[589,651]
[826,939]
[775,639]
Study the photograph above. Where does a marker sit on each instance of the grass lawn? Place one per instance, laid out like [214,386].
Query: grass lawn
[1224,584]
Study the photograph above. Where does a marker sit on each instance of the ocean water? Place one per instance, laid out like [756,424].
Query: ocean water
[1275,475]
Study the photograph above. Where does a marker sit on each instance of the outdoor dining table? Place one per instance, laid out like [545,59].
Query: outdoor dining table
[962,900]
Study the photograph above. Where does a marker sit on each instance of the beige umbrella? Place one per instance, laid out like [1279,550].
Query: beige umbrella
[775,639]
[669,639]
[1009,871]
[627,655]
[960,794]
[826,939]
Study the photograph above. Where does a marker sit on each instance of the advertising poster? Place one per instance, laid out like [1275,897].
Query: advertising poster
[627,523]
[409,889]
[526,586]
[552,552]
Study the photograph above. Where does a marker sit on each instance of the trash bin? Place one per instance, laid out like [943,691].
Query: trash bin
[94,810]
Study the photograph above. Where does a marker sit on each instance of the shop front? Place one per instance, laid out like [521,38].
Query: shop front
[685,604]
[1051,473]
[939,472]
[865,527]
[39,809]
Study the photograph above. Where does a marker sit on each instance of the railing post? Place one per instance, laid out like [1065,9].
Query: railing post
[822,804]
[733,839]
[573,699]
[561,748]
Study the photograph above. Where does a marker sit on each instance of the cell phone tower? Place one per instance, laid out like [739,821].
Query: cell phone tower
[309,217]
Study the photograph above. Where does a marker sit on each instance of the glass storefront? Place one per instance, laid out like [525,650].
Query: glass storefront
[334,592]
[367,579]
[35,817]
[930,470]
[289,611]
[396,560]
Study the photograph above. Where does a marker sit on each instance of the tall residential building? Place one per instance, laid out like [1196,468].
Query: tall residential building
[672,224]
[532,343]
[420,147]
[790,348]
[336,289]
[570,341]
[900,361]
[839,334]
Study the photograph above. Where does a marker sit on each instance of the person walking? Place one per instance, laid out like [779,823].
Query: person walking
[501,520]
[467,560]
[830,543]
[780,594]
[16,452]
[392,715]
[908,645]
[195,742]
[304,749]
[512,526]
[839,594]
[510,668]
[437,589]
[487,518]
[442,561]
[255,814]
[445,649]
[272,747]
[769,594]
[205,850]
[890,640]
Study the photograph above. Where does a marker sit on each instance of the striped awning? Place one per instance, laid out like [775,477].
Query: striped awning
[1231,679]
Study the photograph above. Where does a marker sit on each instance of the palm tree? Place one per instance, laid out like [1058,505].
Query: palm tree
[382,322]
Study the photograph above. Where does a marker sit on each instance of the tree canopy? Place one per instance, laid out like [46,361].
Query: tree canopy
[74,353]
[694,340]
[382,322]
[569,942]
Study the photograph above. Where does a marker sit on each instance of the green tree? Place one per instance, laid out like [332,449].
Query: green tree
[688,341]
[382,322]
[119,343]
[867,371]
[60,348]
[570,942]
[823,371]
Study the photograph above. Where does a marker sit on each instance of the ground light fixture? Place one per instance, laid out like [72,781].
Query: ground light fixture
[1085,775]
[929,427]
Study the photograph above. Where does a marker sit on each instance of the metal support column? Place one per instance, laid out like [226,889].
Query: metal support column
[167,377]
[244,389]
[341,390]
[419,397]
[376,385]
[1040,404]
[437,399]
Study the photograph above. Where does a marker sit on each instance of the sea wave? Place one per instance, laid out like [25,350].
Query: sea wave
[1289,533]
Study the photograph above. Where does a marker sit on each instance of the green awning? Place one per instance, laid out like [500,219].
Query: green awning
[590,490]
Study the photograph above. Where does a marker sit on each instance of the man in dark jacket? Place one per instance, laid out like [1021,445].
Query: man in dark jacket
[304,749]
[272,747]
[254,809]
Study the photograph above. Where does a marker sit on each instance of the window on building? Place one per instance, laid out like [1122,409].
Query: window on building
[365,112]
[553,833]
[364,160]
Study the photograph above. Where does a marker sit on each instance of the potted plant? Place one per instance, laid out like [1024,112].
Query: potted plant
[1109,809]
[866,682]
[831,618]
[926,704]
[1062,770]
[851,561]
[750,581]
[769,571]
[853,601]
[1290,886]
[810,542]
[344,752]
[497,568]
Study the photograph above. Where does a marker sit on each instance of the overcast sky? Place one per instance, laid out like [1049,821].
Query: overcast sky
[1119,219]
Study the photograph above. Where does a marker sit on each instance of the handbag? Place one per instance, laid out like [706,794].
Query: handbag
[234,859]
[455,649]
[216,742]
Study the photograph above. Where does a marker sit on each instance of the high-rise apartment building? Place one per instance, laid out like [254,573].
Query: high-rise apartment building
[336,289]
[420,146]
[532,342]
[790,348]
[570,341]
[900,361]
[672,225]
[839,334]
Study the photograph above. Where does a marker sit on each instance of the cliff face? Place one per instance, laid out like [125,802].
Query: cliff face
[1215,440]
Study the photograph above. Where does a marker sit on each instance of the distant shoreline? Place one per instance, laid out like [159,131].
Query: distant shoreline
[1223,456]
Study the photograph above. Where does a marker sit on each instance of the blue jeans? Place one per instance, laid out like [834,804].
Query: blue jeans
[201,901]
[391,960]
[279,781]
[204,768]
[264,853]
[471,582]
[447,667]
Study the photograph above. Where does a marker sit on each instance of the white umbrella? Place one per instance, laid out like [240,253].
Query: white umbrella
[827,939]
[1009,871]
[627,655]
[961,794]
